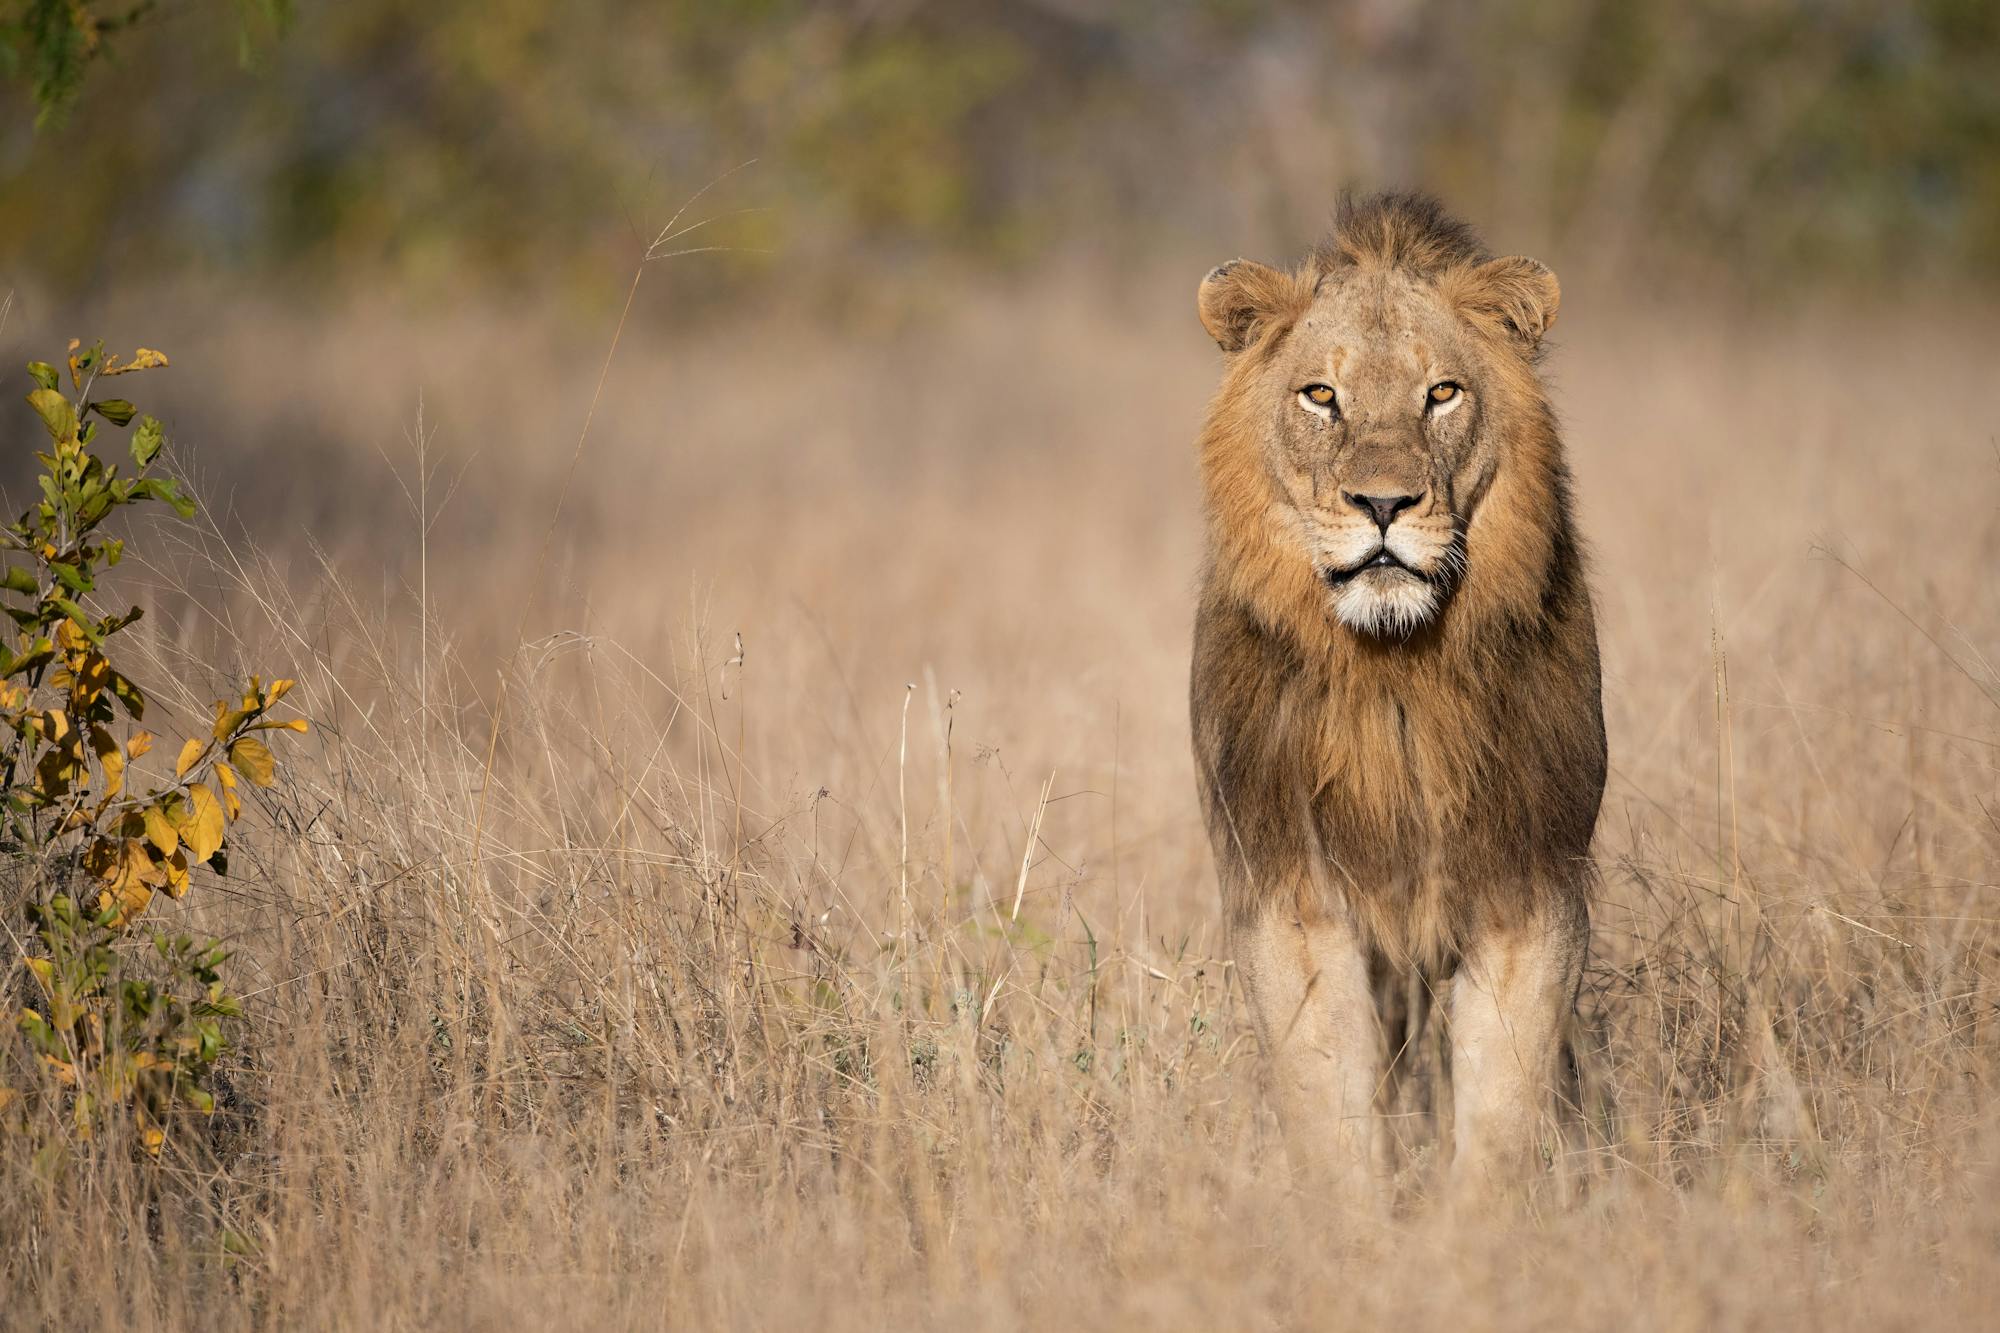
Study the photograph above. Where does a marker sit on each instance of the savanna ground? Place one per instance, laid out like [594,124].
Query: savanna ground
[607,968]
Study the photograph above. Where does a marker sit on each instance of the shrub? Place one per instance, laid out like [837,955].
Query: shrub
[117,1020]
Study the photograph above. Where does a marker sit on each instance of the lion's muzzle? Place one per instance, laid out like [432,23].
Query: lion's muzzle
[1390,572]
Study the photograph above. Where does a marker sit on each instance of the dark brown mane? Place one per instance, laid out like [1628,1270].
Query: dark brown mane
[1399,229]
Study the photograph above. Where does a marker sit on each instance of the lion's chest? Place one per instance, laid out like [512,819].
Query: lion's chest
[1392,771]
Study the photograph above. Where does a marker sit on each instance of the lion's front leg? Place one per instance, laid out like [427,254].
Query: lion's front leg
[1308,985]
[1513,991]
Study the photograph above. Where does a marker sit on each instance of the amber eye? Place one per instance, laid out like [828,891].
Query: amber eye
[1319,395]
[1443,393]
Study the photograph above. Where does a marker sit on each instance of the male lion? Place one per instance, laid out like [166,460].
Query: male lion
[1395,684]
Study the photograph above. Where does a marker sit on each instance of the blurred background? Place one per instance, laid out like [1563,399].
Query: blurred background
[465,145]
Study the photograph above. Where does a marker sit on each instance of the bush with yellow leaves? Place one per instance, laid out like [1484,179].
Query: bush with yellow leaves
[97,1023]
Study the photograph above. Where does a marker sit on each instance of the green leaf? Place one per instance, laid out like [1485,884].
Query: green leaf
[117,411]
[71,577]
[42,651]
[163,488]
[88,359]
[44,374]
[80,616]
[19,580]
[146,441]
[55,412]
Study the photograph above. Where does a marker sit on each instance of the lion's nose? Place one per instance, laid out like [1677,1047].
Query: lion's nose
[1383,508]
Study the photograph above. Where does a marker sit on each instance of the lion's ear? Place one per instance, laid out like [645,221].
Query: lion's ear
[1239,296]
[1519,292]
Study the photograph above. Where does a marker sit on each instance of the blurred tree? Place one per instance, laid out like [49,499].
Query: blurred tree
[502,140]
[53,42]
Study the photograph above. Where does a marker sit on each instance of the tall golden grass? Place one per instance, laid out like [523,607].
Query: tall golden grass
[803,917]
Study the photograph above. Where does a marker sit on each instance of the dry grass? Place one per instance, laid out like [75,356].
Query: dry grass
[622,978]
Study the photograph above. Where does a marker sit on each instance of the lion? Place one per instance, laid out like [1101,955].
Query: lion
[1395,694]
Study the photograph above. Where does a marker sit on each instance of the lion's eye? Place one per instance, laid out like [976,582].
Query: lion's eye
[1444,393]
[1319,397]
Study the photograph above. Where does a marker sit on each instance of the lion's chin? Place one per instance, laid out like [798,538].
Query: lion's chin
[1385,603]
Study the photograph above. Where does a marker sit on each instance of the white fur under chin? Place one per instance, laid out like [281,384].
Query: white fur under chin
[1391,604]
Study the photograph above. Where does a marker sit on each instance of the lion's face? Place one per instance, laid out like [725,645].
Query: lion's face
[1374,403]
[1375,409]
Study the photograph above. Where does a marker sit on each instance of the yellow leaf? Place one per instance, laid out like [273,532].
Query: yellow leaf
[189,754]
[253,757]
[141,742]
[93,674]
[133,901]
[128,902]
[203,831]
[110,758]
[145,359]
[153,874]
[177,874]
[278,690]
[101,859]
[231,804]
[294,724]
[125,868]
[56,772]
[160,830]
[228,719]
[151,1138]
